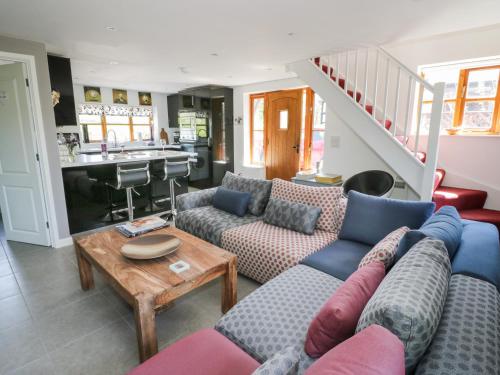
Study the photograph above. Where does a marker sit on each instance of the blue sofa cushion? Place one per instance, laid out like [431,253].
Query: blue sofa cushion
[232,201]
[479,253]
[339,259]
[290,215]
[444,225]
[369,219]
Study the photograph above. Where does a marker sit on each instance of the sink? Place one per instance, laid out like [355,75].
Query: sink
[119,156]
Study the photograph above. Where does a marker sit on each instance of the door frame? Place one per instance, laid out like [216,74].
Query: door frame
[38,135]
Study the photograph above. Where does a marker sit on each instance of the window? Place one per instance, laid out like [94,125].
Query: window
[128,123]
[318,131]
[257,129]
[471,100]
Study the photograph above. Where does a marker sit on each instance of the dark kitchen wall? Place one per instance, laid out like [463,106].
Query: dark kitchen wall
[62,81]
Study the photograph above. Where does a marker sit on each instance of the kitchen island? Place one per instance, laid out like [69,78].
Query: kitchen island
[88,198]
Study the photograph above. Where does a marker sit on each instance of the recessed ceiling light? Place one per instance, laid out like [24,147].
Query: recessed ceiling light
[268,68]
[110,28]
[291,34]
[183,69]
[92,71]
[113,63]
[214,54]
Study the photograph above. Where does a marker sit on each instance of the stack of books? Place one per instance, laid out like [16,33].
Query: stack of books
[141,226]
[306,175]
[326,178]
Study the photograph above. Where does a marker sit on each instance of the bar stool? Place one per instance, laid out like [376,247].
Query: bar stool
[173,168]
[129,176]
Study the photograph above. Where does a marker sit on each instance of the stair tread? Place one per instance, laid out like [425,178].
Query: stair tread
[482,214]
[462,199]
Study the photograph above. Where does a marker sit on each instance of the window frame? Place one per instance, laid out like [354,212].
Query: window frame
[104,128]
[253,97]
[461,100]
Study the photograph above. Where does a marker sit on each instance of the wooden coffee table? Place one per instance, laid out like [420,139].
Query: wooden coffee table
[149,285]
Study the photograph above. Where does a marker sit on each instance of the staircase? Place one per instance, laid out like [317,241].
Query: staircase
[382,101]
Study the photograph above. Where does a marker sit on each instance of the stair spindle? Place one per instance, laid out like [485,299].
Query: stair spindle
[396,102]
[346,70]
[374,111]
[355,91]
[386,93]
[408,106]
[419,116]
[337,71]
[365,86]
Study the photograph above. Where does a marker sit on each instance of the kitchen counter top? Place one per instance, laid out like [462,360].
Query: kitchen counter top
[83,160]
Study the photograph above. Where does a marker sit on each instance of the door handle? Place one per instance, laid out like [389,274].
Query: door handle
[297,148]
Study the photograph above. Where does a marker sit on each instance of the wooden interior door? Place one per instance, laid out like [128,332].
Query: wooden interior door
[283,121]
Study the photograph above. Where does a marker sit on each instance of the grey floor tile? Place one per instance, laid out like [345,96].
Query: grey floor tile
[5,268]
[19,346]
[42,366]
[75,320]
[107,351]
[13,311]
[43,301]
[42,273]
[8,286]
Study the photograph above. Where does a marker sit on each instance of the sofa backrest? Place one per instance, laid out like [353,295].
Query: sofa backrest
[259,189]
[329,199]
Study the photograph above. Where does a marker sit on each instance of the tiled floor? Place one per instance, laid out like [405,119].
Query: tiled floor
[48,325]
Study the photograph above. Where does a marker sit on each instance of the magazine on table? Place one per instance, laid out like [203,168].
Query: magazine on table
[141,226]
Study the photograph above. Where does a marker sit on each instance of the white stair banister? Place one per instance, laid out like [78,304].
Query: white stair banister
[399,90]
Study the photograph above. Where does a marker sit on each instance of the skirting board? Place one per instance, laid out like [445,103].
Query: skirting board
[62,242]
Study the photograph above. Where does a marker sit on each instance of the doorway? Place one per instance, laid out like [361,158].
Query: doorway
[22,202]
[283,122]
[287,130]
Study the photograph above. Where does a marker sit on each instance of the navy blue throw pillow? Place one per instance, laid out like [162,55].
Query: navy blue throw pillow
[369,219]
[232,201]
[445,225]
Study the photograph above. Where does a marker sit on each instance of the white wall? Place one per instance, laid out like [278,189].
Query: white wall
[159,108]
[469,161]
[54,183]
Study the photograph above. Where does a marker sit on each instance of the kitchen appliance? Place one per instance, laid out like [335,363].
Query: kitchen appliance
[201,169]
[194,126]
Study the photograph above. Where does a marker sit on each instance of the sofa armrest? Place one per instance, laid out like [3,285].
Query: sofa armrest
[195,199]
[478,255]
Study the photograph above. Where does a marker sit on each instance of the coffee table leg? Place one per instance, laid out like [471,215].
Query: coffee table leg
[229,286]
[85,269]
[145,326]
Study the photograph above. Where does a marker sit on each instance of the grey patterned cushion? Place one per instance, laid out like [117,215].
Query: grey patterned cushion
[295,216]
[410,300]
[208,223]
[468,338]
[285,362]
[278,314]
[195,199]
[260,190]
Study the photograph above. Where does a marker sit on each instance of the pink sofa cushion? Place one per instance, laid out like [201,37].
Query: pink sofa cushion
[264,251]
[385,250]
[329,199]
[205,352]
[338,318]
[373,351]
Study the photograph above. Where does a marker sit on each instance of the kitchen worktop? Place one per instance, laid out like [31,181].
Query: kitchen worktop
[97,150]
[83,160]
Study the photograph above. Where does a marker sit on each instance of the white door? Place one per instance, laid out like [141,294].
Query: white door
[21,196]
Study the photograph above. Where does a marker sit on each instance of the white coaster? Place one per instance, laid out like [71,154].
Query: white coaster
[179,266]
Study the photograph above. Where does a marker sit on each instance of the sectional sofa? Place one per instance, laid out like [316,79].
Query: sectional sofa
[440,296]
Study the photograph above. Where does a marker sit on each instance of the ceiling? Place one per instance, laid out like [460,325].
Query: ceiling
[166,46]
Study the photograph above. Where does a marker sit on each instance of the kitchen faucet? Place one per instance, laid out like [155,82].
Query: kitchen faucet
[115,145]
